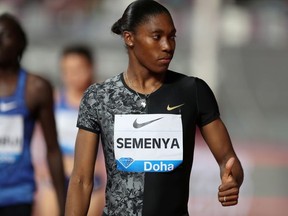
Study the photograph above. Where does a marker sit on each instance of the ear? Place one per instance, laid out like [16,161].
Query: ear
[128,38]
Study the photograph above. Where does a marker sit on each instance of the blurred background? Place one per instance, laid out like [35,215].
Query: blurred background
[239,47]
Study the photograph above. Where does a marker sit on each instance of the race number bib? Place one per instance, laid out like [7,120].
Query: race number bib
[11,138]
[67,130]
[148,142]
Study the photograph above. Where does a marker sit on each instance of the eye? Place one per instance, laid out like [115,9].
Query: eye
[6,34]
[156,36]
[173,37]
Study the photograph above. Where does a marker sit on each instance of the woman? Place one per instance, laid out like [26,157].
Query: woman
[24,99]
[146,118]
[77,74]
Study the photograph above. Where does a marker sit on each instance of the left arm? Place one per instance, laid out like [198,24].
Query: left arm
[217,138]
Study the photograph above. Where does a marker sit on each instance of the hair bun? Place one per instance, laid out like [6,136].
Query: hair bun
[117,27]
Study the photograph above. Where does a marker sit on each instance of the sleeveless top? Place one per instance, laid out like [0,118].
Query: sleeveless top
[66,117]
[17,183]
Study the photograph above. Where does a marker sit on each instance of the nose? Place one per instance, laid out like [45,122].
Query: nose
[168,45]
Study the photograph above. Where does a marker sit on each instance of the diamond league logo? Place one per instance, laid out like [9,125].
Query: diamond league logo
[126,162]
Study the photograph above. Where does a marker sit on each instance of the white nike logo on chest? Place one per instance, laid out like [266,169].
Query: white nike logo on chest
[4,107]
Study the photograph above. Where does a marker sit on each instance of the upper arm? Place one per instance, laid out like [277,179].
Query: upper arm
[86,148]
[41,103]
[217,138]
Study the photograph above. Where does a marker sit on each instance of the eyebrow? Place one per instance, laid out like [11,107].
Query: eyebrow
[161,31]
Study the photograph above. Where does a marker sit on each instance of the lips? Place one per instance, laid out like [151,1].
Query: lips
[165,60]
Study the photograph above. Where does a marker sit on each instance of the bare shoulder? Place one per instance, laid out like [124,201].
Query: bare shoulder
[36,82]
[39,91]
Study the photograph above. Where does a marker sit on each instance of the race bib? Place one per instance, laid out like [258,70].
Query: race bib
[148,142]
[11,138]
[67,130]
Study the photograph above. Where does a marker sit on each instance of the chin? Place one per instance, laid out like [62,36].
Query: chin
[163,69]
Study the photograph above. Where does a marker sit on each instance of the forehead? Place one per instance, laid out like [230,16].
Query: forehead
[9,25]
[160,22]
[75,56]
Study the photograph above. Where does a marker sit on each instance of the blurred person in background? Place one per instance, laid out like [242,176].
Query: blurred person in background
[77,74]
[146,118]
[25,98]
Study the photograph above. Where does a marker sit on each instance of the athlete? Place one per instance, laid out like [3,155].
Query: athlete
[24,99]
[77,74]
[146,118]
[76,65]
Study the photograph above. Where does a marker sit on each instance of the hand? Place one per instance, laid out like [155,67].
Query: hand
[228,191]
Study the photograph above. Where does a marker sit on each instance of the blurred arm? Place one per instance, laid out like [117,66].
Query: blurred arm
[54,156]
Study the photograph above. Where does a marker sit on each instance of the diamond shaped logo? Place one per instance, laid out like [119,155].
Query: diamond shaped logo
[126,162]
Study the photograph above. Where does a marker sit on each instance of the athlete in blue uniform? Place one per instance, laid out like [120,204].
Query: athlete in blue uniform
[146,118]
[77,74]
[24,99]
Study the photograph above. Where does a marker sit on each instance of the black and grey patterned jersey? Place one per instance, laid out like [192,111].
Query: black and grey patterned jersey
[148,193]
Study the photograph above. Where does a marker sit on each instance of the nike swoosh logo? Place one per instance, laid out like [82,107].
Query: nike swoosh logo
[173,107]
[140,125]
[4,107]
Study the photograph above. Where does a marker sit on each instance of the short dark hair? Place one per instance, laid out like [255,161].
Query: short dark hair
[137,13]
[79,49]
[12,19]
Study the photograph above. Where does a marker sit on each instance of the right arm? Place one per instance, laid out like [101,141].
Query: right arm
[81,181]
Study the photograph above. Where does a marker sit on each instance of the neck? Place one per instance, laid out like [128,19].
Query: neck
[9,66]
[73,97]
[145,83]
[8,81]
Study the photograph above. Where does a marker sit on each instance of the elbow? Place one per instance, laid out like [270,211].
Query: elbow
[53,150]
[81,182]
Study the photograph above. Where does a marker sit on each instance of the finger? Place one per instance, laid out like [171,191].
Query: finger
[230,198]
[230,192]
[228,168]
[230,203]
[228,186]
